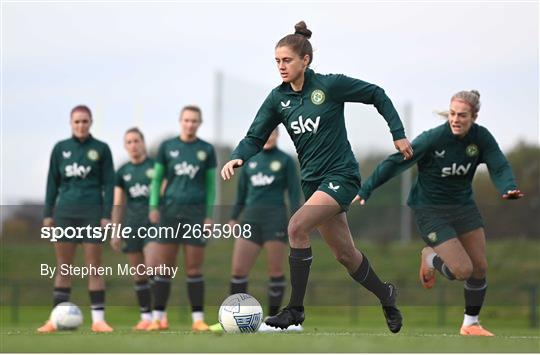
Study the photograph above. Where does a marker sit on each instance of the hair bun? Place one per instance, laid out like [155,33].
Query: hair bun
[301,29]
[476,93]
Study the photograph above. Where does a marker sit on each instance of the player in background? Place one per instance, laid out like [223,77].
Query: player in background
[442,199]
[311,107]
[131,195]
[79,193]
[261,197]
[188,164]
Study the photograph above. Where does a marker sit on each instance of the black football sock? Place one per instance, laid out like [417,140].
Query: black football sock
[239,284]
[144,297]
[474,292]
[367,277]
[195,287]
[439,264]
[276,289]
[61,294]
[161,290]
[300,264]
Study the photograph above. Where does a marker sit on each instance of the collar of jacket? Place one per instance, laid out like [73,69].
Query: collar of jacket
[466,138]
[286,87]
[77,140]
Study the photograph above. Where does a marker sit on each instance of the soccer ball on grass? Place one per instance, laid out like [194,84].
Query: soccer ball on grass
[240,313]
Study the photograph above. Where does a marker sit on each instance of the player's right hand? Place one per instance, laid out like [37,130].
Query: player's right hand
[359,199]
[513,194]
[232,222]
[154,216]
[228,169]
[404,147]
[116,243]
[48,222]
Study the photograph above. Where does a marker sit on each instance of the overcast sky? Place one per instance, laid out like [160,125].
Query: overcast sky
[139,63]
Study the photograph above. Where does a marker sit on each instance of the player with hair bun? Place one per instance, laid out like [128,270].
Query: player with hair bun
[311,107]
[442,199]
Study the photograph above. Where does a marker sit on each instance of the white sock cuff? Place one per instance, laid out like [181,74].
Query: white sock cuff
[197,316]
[429,260]
[158,315]
[98,315]
[469,320]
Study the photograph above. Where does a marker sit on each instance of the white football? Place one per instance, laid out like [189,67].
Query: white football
[240,313]
[66,316]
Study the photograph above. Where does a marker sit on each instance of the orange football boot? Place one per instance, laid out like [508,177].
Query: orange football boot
[48,327]
[101,327]
[200,326]
[475,330]
[142,325]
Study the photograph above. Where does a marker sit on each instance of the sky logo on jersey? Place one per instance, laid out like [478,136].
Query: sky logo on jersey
[76,170]
[67,154]
[455,170]
[186,169]
[260,179]
[307,125]
[174,153]
[332,187]
[285,105]
[138,190]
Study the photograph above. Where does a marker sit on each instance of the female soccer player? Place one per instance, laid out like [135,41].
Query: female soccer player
[189,165]
[132,193]
[79,194]
[446,214]
[261,194]
[311,105]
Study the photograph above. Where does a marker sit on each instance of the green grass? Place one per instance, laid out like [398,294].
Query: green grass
[326,330]
[20,279]
[341,316]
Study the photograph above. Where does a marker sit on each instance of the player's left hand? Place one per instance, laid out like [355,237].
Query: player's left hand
[404,148]
[104,221]
[228,169]
[209,221]
[359,199]
[513,194]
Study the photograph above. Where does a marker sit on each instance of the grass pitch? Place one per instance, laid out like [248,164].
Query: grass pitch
[341,317]
[325,331]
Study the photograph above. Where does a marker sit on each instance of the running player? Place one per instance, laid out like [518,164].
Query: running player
[311,105]
[261,195]
[80,186]
[132,193]
[446,214]
[189,165]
